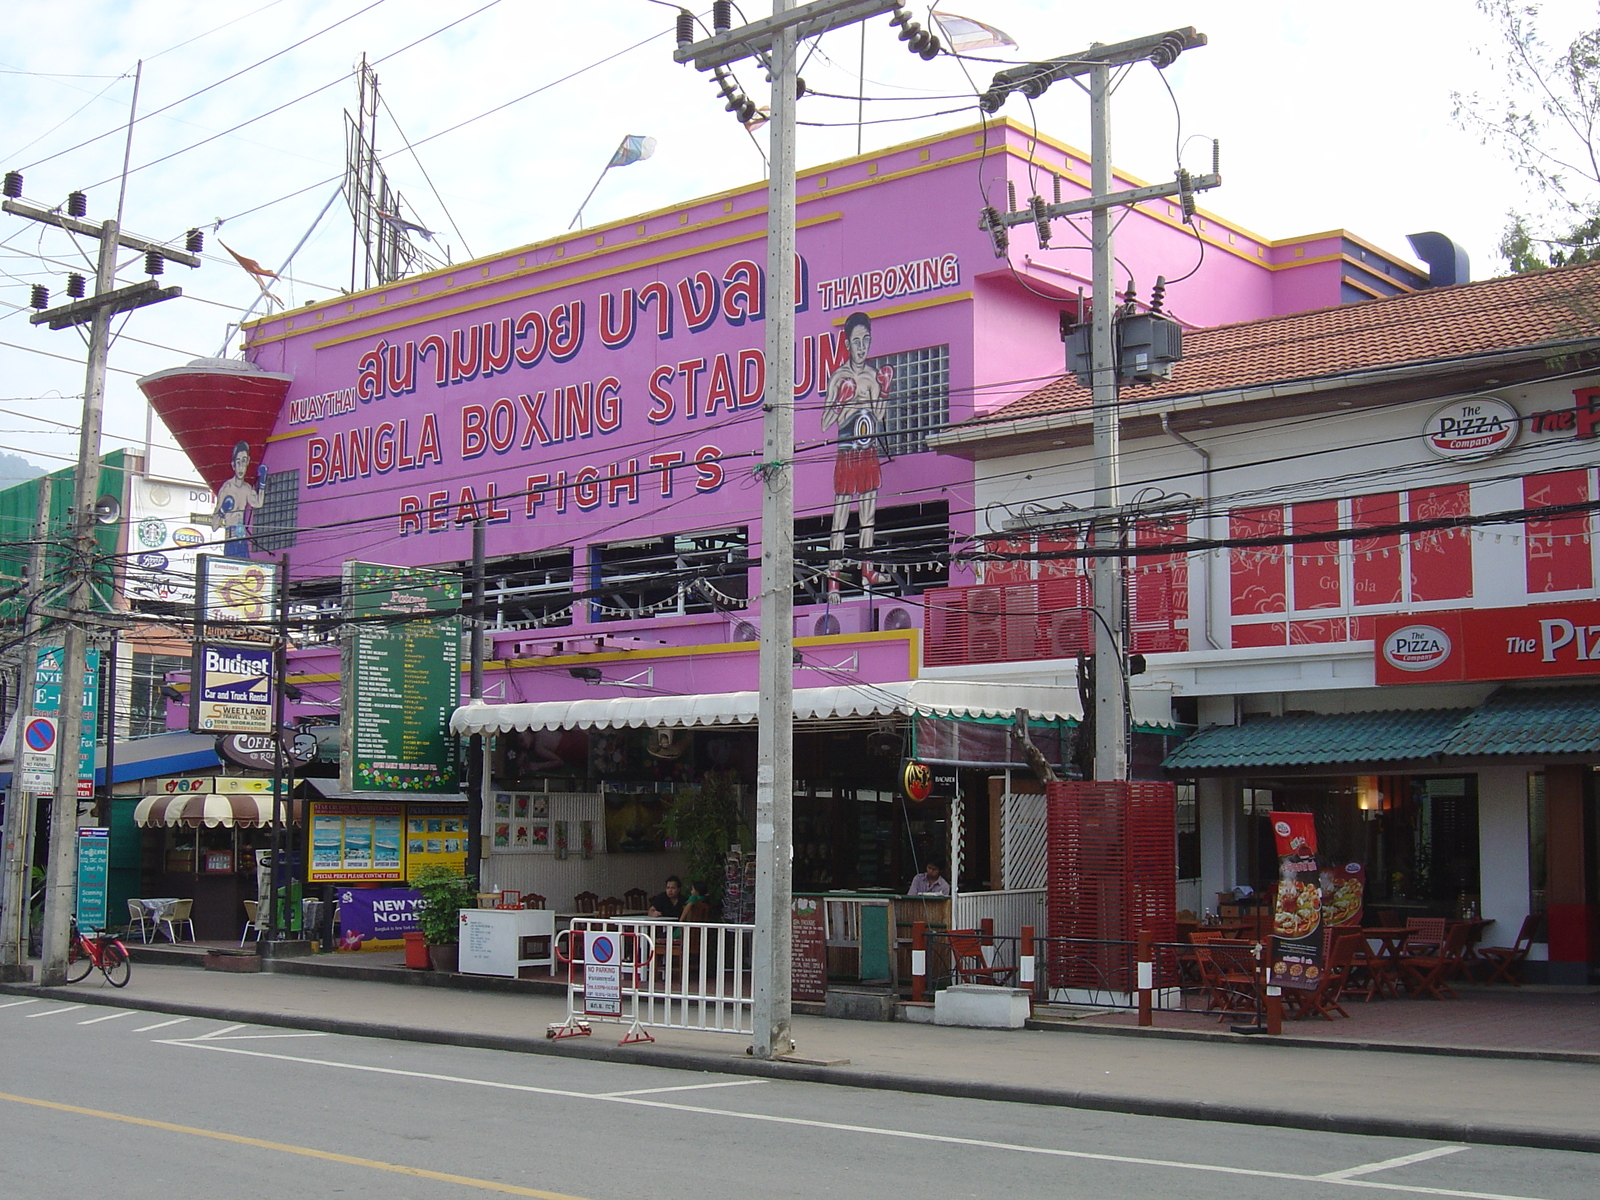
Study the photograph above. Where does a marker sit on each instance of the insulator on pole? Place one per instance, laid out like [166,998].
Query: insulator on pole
[77,204]
[13,185]
[194,241]
[1041,221]
[39,297]
[722,16]
[154,262]
[75,285]
[685,27]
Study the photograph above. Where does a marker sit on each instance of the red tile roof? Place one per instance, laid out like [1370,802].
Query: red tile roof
[1437,325]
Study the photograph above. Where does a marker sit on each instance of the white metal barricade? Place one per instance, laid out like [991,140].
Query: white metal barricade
[666,975]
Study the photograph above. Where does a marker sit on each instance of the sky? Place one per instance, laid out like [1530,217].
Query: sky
[499,115]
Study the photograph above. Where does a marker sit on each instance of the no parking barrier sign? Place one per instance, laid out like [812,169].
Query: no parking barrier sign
[38,766]
[602,975]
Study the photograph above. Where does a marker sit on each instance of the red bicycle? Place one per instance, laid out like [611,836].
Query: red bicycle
[102,950]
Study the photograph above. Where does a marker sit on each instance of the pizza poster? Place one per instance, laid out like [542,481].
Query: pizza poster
[1297,908]
[1343,889]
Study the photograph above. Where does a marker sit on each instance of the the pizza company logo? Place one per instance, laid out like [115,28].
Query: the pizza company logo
[1416,648]
[1470,429]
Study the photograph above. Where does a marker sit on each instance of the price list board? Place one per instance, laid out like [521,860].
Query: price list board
[402,678]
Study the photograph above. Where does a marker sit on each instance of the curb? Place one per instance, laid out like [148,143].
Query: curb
[845,1076]
[1584,1057]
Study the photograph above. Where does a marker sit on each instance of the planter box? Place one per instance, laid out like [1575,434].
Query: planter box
[980,1006]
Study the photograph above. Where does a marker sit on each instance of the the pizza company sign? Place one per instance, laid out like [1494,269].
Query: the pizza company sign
[1536,641]
[1464,430]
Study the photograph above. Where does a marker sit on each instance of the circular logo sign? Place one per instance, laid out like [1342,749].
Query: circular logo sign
[40,735]
[152,532]
[1281,828]
[1416,648]
[151,561]
[918,781]
[601,949]
[1469,429]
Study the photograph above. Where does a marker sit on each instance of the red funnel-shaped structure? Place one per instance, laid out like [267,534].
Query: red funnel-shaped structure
[212,405]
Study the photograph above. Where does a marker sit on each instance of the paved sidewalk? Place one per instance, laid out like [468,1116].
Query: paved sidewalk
[1475,1099]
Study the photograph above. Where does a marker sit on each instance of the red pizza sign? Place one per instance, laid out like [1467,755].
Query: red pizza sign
[1536,641]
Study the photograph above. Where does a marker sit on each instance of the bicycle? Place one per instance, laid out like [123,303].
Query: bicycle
[103,950]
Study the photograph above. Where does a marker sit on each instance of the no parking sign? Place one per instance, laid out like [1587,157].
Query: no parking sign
[39,754]
[602,975]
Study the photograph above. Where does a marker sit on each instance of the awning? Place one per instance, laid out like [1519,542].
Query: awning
[1318,739]
[1543,722]
[952,698]
[328,789]
[209,809]
[175,753]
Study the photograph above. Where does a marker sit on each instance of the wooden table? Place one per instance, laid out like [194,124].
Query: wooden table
[1380,959]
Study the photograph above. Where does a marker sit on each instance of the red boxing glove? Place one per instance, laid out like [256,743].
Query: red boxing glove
[885,380]
[847,392]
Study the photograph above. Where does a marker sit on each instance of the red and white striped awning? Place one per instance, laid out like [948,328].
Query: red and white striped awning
[210,809]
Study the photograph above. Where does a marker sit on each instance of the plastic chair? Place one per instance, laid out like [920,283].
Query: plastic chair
[251,910]
[139,920]
[178,916]
[1506,961]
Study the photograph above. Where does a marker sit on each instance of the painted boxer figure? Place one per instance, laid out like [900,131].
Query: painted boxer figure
[856,401]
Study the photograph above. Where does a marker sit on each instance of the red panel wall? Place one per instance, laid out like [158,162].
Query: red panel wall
[1376,573]
[1559,555]
[1316,564]
[1257,577]
[1441,560]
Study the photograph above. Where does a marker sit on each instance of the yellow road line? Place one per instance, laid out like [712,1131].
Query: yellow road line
[486,1185]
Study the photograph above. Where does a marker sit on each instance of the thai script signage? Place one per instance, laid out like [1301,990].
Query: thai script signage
[1535,641]
[401,678]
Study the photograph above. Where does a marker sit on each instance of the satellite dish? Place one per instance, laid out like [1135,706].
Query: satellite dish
[107,510]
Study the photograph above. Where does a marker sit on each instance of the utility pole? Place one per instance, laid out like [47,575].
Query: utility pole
[21,810]
[475,694]
[95,311]
[772,42]
[1109,582]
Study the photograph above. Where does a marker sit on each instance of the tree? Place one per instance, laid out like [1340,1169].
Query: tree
[1546,117]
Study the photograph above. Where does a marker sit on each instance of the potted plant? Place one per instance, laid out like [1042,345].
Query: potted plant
[703,822]
[444,894]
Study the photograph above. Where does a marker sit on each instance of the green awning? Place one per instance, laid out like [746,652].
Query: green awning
[1318,739]
[1530,721]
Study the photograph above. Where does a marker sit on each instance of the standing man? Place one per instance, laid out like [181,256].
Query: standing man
[856,401]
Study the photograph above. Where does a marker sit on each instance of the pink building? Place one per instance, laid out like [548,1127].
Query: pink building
[595,399]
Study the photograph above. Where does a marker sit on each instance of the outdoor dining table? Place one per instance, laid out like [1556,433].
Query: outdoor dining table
[156,910]
[1385,946]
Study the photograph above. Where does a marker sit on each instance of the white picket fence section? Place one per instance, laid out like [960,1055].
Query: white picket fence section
[677,975]
[1023,841]
[1010,910]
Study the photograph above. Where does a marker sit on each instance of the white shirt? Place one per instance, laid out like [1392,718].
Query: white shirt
[921,885]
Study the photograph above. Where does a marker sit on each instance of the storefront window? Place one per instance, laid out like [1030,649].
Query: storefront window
[1417,836]
[147,710]
[1188,832]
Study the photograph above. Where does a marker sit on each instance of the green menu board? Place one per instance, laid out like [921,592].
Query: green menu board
[402,679]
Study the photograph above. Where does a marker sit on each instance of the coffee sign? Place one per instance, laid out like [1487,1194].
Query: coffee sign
[1465,430]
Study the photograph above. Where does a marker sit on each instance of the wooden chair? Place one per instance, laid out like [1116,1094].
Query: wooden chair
[179,916]
[1323,1000]
[635,900]
[1228,972]
[1429,934]
[532,900]
[1365,976]
[252,909]
[1505,962]
[611,906]
[585,902]
[969,961]
[139,920]
[1429,974]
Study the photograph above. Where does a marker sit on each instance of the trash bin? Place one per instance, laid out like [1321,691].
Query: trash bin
[416,951]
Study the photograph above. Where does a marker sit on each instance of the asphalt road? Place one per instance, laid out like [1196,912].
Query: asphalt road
[140,1105]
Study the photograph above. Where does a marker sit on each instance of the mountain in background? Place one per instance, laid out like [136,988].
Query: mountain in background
[15,469]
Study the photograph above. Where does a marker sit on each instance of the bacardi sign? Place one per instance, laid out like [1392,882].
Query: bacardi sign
[1534,641]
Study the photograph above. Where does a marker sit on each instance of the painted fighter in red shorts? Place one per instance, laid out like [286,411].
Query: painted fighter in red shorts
[857,402]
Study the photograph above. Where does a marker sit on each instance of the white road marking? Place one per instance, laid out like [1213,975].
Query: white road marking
[14,1003]
[687,1087]
[870,1130]
[162,1024]
[50,1012]
[251,1037]
[112,1017]
[1405,1160]
[216,1033]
